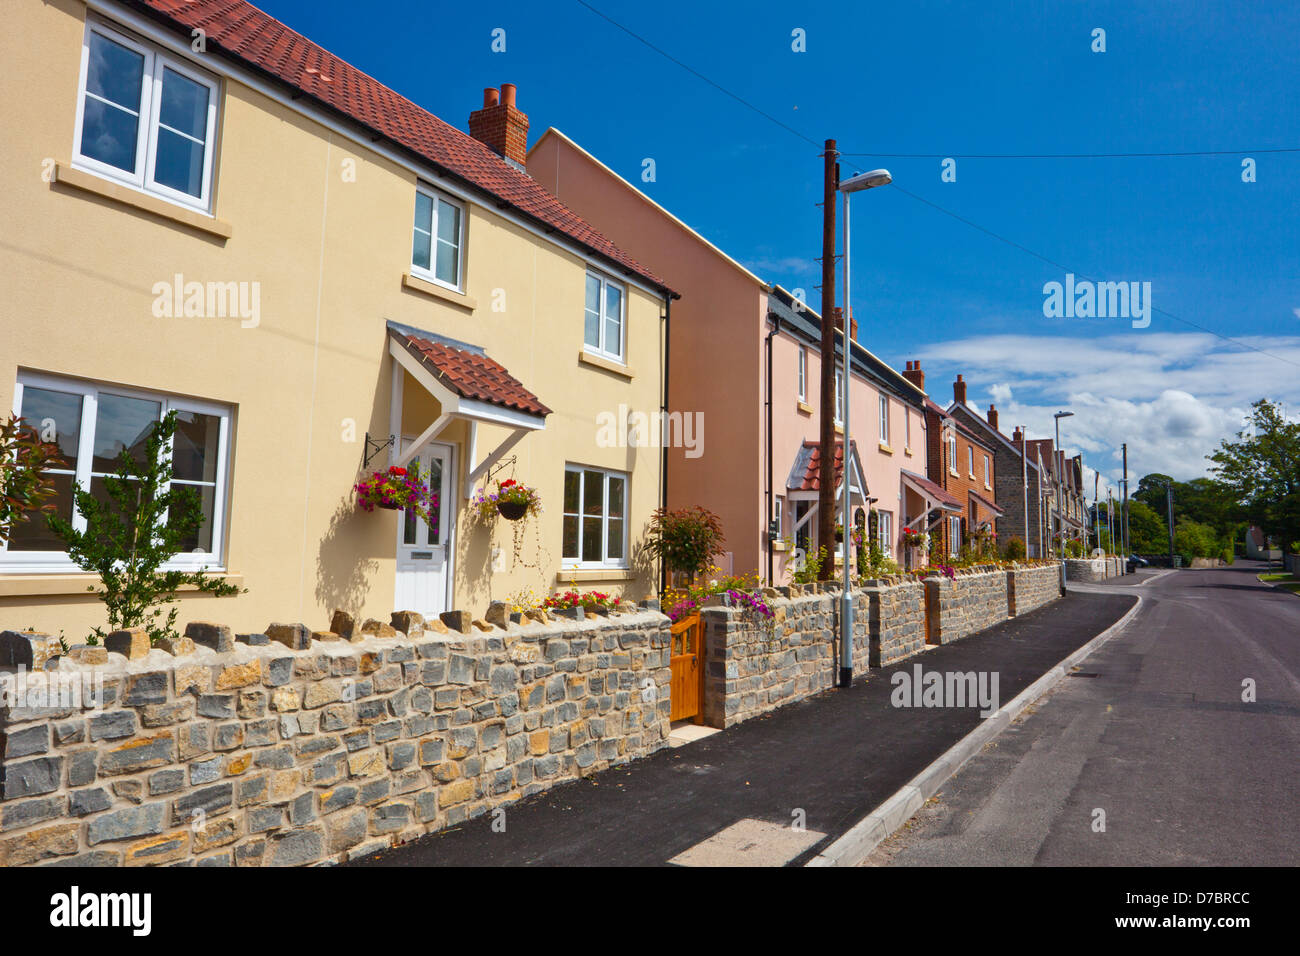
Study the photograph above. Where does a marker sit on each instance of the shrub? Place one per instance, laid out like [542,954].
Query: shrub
[25,488]
[126,540]
[812,566]
[1016,550]
[686,539]
[1226,556]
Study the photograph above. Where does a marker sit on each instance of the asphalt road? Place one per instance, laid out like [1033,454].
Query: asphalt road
[1153,731]
[833,758]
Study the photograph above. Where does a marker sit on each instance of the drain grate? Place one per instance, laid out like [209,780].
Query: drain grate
[1083,674]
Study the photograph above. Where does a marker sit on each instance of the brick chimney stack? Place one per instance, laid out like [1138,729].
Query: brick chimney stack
[501,125]
[853,323]
[914,374]
[993,416]
[1017,436]
[959,391]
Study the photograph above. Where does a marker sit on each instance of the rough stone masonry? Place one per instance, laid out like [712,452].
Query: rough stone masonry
[310,747]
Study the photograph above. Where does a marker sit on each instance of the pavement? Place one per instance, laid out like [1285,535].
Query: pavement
[731,798]
[1153,732]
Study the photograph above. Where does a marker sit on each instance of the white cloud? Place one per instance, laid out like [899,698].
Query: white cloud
[1171,396]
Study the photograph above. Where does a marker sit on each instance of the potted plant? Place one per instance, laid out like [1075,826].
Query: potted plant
[515,500]
[397,490]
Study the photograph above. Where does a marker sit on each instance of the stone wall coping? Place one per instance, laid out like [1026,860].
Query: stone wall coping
[158,659]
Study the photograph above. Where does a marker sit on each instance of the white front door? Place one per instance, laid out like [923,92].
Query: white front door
[424,550]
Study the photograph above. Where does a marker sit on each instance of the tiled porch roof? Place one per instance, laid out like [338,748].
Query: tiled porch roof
[806,473]
[472,375]
[933,491]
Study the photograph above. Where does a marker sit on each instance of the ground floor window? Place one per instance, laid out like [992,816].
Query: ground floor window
[595,517]
[885,532]
[954,537]
[92,424]
[803,534]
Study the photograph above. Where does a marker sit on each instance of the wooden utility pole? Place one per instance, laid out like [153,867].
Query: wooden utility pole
[826,474]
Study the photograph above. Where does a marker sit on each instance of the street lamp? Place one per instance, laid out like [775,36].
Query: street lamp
[1059,469]
[868,180]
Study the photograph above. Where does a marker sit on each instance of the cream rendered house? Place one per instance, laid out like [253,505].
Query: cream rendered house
[206,212]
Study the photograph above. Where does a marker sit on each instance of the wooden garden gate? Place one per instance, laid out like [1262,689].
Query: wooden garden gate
[686,660]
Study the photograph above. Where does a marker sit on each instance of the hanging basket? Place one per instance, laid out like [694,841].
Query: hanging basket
[512,510]
[389,506]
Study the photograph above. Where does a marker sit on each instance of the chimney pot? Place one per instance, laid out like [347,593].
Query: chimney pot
[490,97]
[959,391]
[508,94]
[501,126]
[993,416]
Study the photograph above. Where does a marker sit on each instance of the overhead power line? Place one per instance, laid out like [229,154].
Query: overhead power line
[947,212]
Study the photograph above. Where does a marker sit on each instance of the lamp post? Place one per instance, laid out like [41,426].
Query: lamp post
[868,180]
[1058,457]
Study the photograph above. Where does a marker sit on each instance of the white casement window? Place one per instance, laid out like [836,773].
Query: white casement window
[970,461]
[437,238]
[952,454]
[778,514]
[92,425]
[145,118]
[988,480]
[595,517]
[954,537]
[839,398]
[803,375]
[885,531]
[884,419]
[602,330]
[907,428]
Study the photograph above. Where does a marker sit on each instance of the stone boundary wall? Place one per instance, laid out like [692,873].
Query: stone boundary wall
[752,666]
[958,607]
[1291,562]
[1030,588]
[313,748]
[897,621]
[1087,570]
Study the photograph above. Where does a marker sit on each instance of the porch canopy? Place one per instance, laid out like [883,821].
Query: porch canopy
[933,499]
[467,385]
[804,483]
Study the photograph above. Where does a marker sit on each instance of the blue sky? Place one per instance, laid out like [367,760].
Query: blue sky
[950,80]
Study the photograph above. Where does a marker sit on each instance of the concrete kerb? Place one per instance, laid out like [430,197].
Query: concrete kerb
[869,832]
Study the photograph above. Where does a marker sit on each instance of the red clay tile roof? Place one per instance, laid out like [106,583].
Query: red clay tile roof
[808,477]
[243,32]
[933,491]
[474,376]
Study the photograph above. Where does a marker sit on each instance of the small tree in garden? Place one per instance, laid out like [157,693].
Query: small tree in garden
[685,540]
[25,488]
[129,537]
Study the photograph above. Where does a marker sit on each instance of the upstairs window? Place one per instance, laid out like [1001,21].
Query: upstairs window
[988,481]
[602,329]
[839,398]
[436,241]
[970,461]
[884,419]
[803,375]
[145,118]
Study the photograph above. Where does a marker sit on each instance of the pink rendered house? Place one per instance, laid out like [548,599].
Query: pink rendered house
[744,357]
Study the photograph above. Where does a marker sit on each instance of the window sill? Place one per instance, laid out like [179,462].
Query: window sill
[591,575]
[433,290]
[839,428]
[79,179]
[604,364]
[805,408]
[953,473]
[907,452]
[778,546]
[884,446]
[32,585]
[987,486]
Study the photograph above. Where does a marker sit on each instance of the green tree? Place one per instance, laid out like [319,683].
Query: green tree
[1260,471]
[133,533]
[1147,530]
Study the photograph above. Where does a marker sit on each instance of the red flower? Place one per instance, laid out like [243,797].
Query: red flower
[397,471]
[507,483]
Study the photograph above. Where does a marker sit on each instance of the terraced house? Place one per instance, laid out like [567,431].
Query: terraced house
[206,212]
[745,361]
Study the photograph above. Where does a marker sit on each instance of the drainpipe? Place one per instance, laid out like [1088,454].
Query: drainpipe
[663,409]
[776,328]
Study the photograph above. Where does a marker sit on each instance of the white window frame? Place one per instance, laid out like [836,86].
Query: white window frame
[155,61]
[954,536]
[907,428]
[605,562]
[803,374]
[884,418]
[988,476]
[618,355]
[778,513]
[431,273]
[952,454]
[839,397]
[58,562]
[970,461]
[885,532]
